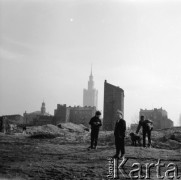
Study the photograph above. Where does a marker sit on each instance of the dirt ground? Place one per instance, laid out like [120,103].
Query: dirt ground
[49,159]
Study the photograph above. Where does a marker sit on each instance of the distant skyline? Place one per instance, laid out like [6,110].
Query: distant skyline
[47,48]
[90,95]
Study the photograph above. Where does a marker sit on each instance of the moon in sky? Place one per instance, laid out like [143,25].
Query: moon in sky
[71,19]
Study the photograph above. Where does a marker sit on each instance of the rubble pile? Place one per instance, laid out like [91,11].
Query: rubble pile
[74,133]
[73,127]
[45,131]
[167,138]
[69,132]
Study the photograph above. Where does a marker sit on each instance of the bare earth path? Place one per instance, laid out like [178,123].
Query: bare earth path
[25,158]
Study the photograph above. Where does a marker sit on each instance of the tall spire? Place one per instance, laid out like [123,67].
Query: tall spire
[91,69]
[91,76]
[91,82]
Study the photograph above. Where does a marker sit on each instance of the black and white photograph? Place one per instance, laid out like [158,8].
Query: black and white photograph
[90,89]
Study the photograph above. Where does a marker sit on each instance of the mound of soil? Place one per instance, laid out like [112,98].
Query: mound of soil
[45,131]
[73,127]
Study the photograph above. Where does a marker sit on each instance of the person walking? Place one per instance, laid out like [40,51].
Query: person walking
[147,127]
[95,124]
[119,133]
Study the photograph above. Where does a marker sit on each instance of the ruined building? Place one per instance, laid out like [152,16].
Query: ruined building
[7,122]
[90,95]
[159,117]
[76,114]
[113,100]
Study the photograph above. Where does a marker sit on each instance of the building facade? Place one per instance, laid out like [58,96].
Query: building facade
[61,114]
[43,109]
[76,114]
[41,120]
[158,116]
[40,116]
[113,100]
[90,95]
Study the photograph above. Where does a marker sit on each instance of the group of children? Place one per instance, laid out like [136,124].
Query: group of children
[119,132]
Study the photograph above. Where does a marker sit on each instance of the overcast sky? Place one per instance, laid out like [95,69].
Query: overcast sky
[47,48]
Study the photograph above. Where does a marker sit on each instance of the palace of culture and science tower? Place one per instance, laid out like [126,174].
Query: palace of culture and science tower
[90,95]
